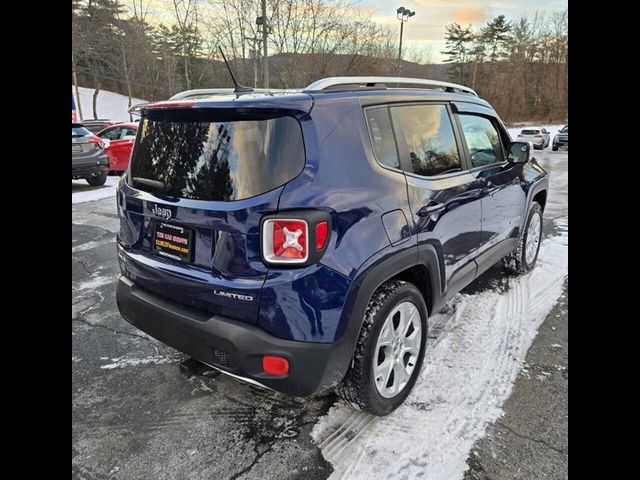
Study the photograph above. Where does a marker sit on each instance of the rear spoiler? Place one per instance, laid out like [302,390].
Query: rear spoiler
[295,103]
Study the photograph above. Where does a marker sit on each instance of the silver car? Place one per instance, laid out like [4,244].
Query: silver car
[539,137]
[88,159]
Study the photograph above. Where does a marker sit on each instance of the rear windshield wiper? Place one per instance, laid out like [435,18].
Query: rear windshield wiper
[150,183]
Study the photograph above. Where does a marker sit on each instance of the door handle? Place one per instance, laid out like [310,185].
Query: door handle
[429,209]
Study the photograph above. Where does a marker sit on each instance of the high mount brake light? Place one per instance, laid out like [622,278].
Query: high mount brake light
[174,104]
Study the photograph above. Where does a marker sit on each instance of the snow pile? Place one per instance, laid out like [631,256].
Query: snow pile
[109,105]
[82,192]
[467,375]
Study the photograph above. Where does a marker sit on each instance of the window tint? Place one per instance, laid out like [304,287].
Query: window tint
[428,135]
[126,132]
[111,134]
[199,155]
[384,145]
[529,132]
[483,140]
[78,131]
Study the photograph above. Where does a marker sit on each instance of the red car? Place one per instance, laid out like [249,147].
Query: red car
[119,139]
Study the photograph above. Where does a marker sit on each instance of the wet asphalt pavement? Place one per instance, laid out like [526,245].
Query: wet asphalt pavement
[137,416]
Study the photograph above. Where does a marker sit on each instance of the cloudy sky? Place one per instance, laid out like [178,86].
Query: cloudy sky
[427,27]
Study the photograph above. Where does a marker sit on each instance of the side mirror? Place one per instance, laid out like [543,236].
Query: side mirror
[519,152]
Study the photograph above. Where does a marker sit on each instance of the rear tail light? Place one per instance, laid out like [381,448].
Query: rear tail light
[285,240]
[322,231]
[97,140]
[298,239]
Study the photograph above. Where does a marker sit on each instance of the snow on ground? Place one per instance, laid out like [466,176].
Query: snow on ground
[121,362]
[80,194]
[468,373]
[109,105]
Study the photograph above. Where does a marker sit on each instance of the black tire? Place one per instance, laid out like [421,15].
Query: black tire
[97,180]
[516,262]
[554,148]
[358,387]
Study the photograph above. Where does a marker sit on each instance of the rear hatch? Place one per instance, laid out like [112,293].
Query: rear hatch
[86,148]
[530,133]
[200,180]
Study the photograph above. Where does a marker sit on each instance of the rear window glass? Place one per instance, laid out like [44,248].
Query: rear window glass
[79,132]
[530,132]
[201,156]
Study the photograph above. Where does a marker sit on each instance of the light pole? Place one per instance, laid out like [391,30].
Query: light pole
[262,21]
[402,14]
[254,54]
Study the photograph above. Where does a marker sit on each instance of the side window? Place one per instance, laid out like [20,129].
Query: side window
[127,132]
[384,146]
[482,139]
[111,134]
[428,134]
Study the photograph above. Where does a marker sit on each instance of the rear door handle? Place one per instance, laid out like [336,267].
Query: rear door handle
[429,209]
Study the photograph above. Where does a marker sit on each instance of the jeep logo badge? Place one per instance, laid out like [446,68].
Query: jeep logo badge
[161,212]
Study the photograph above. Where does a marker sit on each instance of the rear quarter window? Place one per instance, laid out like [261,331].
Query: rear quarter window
[381,133]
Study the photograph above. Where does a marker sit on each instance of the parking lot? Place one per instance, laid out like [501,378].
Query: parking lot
[137,415]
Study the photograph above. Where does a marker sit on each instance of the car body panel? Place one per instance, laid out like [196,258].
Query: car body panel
[121,138]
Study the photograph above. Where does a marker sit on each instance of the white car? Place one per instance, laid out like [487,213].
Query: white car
[539,137]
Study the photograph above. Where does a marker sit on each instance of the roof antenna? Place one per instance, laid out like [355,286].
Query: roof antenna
[238,88]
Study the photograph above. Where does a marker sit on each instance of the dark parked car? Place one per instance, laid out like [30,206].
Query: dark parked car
[96,125]
[300,241]
[88,159]
[561,139]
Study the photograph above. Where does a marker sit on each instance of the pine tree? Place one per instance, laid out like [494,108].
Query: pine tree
[496,36]
[458,46]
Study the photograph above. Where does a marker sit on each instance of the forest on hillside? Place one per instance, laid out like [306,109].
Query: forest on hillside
[519,66]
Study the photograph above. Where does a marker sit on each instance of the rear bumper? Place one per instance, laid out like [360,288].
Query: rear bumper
[232,346]
[84,171]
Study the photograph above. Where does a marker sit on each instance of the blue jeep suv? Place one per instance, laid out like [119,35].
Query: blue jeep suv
[300,240]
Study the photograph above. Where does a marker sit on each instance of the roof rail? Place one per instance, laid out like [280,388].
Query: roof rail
[204,92]
[327,83]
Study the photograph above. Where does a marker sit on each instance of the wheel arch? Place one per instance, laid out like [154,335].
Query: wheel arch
[423,270]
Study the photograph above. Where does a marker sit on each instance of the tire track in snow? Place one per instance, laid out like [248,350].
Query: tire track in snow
[467,375]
